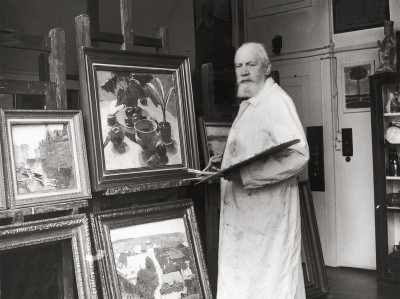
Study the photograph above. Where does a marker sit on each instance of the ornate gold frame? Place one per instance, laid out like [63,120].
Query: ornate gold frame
[104,222]
[73,228]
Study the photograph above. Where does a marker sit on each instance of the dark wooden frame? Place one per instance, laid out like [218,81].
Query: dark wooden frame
[104,222]
[72,228]
[318,286]
[352,26]
[379,84]
[34,117]
[204,123]
[125,178]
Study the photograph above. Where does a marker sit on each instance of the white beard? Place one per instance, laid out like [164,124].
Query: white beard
[248,90]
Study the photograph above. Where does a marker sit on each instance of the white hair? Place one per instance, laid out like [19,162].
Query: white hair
[261,50]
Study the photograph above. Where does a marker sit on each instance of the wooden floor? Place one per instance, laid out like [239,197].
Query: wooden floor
[345,283]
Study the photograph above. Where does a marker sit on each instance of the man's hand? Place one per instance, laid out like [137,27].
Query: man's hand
[214,160]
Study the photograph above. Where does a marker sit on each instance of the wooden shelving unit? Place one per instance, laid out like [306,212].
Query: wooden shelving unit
[387,218]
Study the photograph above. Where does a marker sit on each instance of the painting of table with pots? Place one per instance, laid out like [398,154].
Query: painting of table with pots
[139,118]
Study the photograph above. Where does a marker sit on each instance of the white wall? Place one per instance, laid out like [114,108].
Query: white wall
[309,73]
[301,29]
[354,184]
[345,211]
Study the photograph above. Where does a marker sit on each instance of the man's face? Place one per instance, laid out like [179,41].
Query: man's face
[250,71]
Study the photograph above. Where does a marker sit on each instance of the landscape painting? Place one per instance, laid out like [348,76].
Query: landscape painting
[356,85]
[45,157]
[153,260]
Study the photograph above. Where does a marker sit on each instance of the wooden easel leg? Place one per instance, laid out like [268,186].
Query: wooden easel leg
[212,232]
[65,275]
[18,217]
[1,277]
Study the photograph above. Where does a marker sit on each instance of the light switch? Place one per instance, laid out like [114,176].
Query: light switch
[347,141]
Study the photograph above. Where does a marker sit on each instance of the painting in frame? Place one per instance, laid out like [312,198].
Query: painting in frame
[45,157]
[314,272]
[356,92]
[151,252]
[359,14]
[69,232]
[139,117]
[213,135]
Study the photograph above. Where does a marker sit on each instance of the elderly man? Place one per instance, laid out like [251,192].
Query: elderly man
[260,233]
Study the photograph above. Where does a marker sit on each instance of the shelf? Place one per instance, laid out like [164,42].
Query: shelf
[391,145]
[42,209]
[393,209]
[382,85]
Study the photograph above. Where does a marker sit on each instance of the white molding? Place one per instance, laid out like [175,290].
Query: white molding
[330,255]
[259,8]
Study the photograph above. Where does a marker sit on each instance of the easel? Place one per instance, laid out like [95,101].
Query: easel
[52,77]
[84,38]
[212,109]
[52,85]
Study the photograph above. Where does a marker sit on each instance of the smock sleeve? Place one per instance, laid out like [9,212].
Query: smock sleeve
[285,126]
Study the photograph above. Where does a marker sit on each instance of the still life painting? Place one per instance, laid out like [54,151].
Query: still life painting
[140,111]
[46,156]
[139,118]
[152,251]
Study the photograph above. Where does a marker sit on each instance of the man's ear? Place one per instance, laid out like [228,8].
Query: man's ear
[268,68]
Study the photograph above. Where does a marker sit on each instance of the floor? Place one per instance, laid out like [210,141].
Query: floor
[346,283]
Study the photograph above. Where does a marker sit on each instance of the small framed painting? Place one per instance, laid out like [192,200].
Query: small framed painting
[139,118]
[214,134]
[45,157]
[151,252]
[356,87]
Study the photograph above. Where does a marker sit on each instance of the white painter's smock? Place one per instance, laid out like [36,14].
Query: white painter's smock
[260,232]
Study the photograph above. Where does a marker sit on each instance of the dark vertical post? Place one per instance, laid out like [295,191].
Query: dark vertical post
[163,34]
[126,8]
[57,66]
[207,89]
[65,276]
